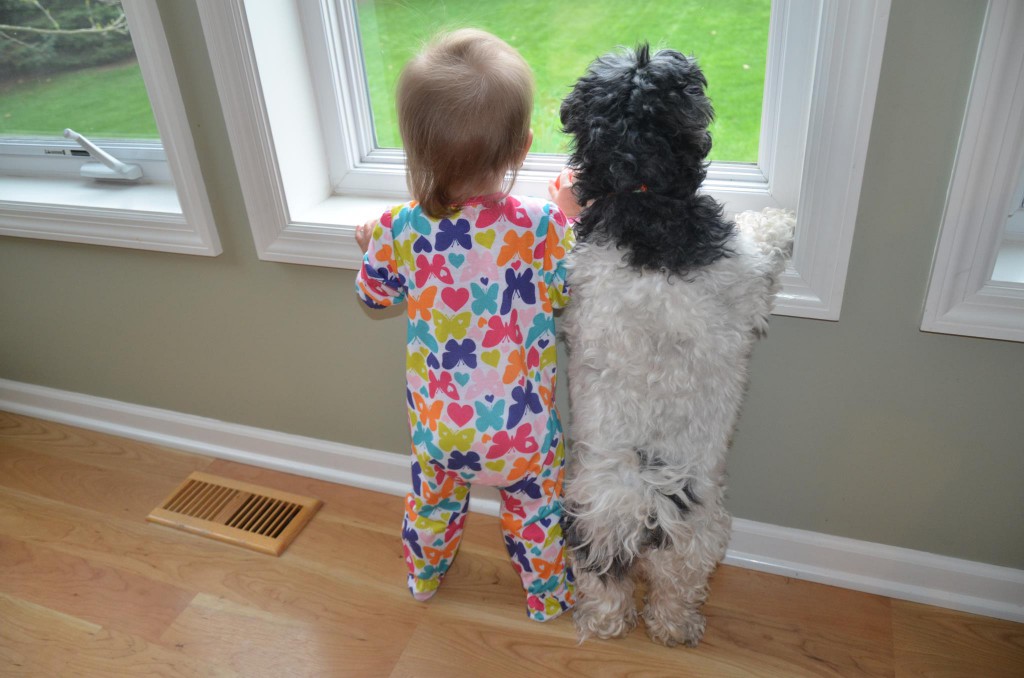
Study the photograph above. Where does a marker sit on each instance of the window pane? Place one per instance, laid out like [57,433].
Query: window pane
[73,67]
[559,39]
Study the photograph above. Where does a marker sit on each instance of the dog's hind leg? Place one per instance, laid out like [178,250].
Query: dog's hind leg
[604,605]
[677,577]
[604,585]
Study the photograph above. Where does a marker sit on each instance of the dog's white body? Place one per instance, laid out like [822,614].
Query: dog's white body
[657,371]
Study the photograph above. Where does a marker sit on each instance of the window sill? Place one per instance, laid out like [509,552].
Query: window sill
[143,216]
[324,235]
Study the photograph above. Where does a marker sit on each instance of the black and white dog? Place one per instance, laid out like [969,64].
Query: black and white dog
[668,298]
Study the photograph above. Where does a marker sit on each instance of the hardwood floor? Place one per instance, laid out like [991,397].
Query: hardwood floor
[88,588]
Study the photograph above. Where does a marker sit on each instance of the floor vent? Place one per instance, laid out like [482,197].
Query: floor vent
[238,513]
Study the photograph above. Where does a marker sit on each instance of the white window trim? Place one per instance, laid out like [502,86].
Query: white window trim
[261,58]
[360,168]
[962,298]
[168,211]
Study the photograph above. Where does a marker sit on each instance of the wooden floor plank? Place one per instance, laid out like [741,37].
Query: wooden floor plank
[786,646]
[88,588]
[941,643]
[507,647]
[94,448]
[826,609]
[816,629]
[97,593]
[36,641]
[111,491]
[256,644]
[282,585]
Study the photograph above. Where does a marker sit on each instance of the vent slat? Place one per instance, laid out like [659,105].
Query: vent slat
[260,516]
[185,489]
[234,517]
[235,512]
[198,497]
[247,510]
[285,521]
[183,496]
[268,516]
[271,517]
[278,519]
[229,499]
[223,497]
[210,496]
[254,514]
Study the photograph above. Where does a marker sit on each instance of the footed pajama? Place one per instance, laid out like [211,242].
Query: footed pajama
[481,287]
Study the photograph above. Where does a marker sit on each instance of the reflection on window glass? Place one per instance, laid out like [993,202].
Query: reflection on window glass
[558,40]
[1009,266]
[70,63]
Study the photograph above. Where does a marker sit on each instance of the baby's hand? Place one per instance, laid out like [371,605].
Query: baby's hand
[363,234]
[560,190]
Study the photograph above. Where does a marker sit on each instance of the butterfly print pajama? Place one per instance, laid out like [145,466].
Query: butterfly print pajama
[480,287]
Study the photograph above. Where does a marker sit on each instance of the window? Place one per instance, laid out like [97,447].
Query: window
[293,87]
[730,36]
[1010,259]
[70,63]
[976,287]
[43,193]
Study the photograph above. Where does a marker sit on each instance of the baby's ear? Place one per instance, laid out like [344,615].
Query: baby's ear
[526,149]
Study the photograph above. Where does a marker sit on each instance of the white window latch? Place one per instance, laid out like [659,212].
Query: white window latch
[108,168]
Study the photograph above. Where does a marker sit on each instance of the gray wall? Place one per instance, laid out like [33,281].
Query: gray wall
[865,428]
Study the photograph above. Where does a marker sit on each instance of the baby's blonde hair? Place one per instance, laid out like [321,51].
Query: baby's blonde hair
[464,106]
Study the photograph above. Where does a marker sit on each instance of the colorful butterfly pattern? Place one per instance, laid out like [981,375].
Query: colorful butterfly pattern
[481,287]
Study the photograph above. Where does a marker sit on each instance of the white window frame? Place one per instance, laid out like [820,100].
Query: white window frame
[309,172]
[44,196]
[962,297]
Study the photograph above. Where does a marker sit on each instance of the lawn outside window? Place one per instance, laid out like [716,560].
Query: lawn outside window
[43,195]
[293,88]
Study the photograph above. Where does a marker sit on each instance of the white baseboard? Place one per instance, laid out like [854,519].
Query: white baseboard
[895,572]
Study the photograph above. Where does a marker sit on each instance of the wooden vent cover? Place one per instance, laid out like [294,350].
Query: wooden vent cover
[238,513]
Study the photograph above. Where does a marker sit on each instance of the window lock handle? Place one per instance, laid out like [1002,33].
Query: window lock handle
[108,168]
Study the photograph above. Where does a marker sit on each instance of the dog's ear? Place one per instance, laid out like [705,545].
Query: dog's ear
[682,84]
[573,113]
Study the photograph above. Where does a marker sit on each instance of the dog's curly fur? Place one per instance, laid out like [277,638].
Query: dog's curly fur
[668,298]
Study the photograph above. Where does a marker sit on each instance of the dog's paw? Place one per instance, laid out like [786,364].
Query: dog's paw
[772,229]
[605,626]
[685,630]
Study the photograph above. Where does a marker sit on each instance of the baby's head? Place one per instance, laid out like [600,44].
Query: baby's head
[464,107]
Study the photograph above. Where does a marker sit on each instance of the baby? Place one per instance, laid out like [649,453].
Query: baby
[481,272]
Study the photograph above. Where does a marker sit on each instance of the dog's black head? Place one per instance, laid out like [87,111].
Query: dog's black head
[639,127]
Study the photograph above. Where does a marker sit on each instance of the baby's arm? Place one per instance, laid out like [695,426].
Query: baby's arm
[380,281]
[560,240]
[560,190]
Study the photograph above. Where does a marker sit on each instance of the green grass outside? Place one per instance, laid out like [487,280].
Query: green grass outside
[559,39]
[103,102]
